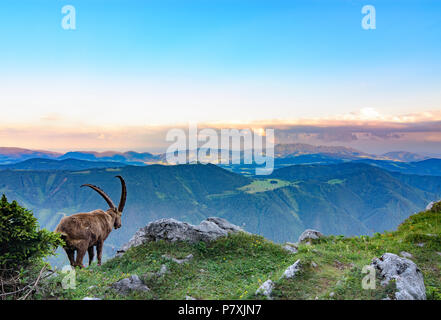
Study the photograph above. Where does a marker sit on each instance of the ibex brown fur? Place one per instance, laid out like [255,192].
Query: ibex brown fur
[82,231]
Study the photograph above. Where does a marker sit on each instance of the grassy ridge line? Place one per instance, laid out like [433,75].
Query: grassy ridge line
[234,267]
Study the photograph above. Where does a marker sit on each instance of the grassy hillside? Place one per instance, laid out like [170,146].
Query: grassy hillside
[234,267]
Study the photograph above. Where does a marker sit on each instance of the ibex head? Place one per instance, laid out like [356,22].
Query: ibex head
[114,211]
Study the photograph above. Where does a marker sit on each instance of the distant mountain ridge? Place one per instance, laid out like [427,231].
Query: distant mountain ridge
[295,149]
[405,156]
[431,167]
[284,155]
[130,157]
[11,155]
[15,155]
[38,164]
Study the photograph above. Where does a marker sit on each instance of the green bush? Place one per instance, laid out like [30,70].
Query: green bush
[21,240]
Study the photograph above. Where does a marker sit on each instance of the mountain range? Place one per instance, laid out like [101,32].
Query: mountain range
[338,191]
[345,198]
[284,153]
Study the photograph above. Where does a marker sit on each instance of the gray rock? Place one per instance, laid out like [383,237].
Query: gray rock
[290,247]
[91,298]
[309,234]
[174,230]
[408,277]
[132,283]
[291,271]
[179,261]
[314,265]
[431,204]
[439,253]
[225,225]
[406,254]
[266,289]
[332,294]
[421,244]
[189,298]
[162,271]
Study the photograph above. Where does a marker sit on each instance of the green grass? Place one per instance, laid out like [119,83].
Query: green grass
[336,181]
[229,268]
[233,267]
[262,185]
[227,193]
[81,172]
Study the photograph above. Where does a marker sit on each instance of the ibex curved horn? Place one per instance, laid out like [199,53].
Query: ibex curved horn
[102,193]
[122,201]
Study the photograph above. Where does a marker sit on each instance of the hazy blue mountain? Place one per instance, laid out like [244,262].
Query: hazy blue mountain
[296,149]
[12,155]
[430,167]
[130,157]
[37,164]
[405,156]
[284,155]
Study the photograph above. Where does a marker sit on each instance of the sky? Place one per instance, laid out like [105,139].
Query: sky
[131,70]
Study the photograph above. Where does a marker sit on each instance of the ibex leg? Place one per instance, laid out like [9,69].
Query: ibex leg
[91,253]
[71,255]
[81,251]
[99,251]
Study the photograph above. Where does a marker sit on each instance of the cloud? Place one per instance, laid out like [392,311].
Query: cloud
[366,129]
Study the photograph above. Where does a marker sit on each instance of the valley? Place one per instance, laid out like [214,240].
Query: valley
[345,198]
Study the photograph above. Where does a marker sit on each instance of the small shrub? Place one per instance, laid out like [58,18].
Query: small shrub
[22,244]
[201,246]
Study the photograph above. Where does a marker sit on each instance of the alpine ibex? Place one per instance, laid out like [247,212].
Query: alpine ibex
[82,231]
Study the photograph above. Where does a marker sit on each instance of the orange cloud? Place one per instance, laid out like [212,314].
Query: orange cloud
[366,129]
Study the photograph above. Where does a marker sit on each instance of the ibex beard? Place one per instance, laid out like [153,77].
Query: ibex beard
[82,232]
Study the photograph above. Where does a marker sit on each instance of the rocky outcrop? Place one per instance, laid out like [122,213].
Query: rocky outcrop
[408,277]
[308,235]
[132,283]
[432,204]
[292,270]
[266,289]
[290,247]
[174,230]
